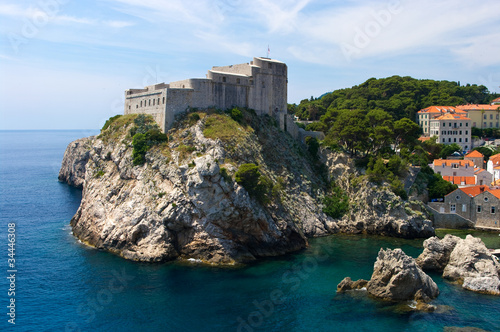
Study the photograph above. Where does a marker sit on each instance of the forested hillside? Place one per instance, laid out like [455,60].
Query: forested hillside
[401,97]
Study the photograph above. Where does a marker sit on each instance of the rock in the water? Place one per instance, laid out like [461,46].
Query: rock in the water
[486,285]
[397,277]
[471,258]
[437,252]
[472,264]
[347,284]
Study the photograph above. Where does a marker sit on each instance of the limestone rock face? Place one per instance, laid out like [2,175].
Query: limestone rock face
[397,277]
[374,209]
[181,206]
[75,158]
[437,252]
[471,263]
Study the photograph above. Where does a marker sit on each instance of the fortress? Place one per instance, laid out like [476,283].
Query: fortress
[260,85]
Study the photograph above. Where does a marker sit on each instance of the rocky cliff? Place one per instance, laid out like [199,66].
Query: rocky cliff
[183,202]
[375,209]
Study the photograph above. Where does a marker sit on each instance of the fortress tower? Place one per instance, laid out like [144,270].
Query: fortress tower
[260,85]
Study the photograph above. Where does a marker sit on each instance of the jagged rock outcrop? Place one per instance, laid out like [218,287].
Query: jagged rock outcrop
[437,252]
[374,209]
[397,277]
[348,284]
[180,204]
[474,266]
[183,201]
[74,161]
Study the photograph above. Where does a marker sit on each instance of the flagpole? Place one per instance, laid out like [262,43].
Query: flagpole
[268,50]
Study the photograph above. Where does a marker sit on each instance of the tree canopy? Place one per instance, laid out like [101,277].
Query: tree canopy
[399,96]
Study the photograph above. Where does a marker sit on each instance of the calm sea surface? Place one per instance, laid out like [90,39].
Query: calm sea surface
[62,285]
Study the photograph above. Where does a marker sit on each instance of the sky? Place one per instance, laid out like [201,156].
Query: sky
[65,64]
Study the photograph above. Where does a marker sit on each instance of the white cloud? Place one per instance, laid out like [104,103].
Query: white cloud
[118,24]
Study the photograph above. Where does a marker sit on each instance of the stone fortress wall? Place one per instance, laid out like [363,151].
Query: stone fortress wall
[260,85]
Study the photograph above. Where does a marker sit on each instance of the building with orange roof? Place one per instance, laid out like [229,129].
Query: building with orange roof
[495,101]
[452,128]
[476,157]
[425,115]
[482,115]
[493,166]
[461,172]
[478,204]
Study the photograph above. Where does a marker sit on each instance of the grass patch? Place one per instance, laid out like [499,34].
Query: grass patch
[114,128]
[185,151]
[224,128]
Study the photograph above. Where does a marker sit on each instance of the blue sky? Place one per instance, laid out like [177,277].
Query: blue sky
[64,64]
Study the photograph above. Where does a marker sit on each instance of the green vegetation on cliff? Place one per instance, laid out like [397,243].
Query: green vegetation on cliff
[399,96]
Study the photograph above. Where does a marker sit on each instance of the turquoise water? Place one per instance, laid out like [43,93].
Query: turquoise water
[62,285]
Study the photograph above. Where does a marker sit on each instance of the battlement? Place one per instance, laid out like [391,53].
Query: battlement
[260,85]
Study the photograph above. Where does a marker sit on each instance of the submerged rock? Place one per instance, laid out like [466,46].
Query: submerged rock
[397,277]
[437,252]
[347,284]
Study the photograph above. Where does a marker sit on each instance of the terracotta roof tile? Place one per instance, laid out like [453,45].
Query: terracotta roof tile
[495,192]
[460,180]
[450,162]
[474,154]
[435,110]
[474,191]
[472,107]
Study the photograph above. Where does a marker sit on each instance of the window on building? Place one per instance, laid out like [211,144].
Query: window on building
[479,209]
[464,207]
[141,103]
[449,140]
[486,199]
[466,132]
[454,173]
[493,210]
[158,101]
[238,81]
[465,147]
[466,124]
[163,100]
[484,124]
[444,141]
[497,116]
[460,132]
[154,102]
[251,82]
[491,116]
[149,102]
[454,140]
[491,124]
[484,117]
[461,124]
[460,141]
[453,208]
[449,125]
[136,106]
[466,140]
[223,78]
[270,65]
[128,106]
[497,125]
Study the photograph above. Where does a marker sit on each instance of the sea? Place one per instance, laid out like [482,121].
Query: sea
[49,281]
